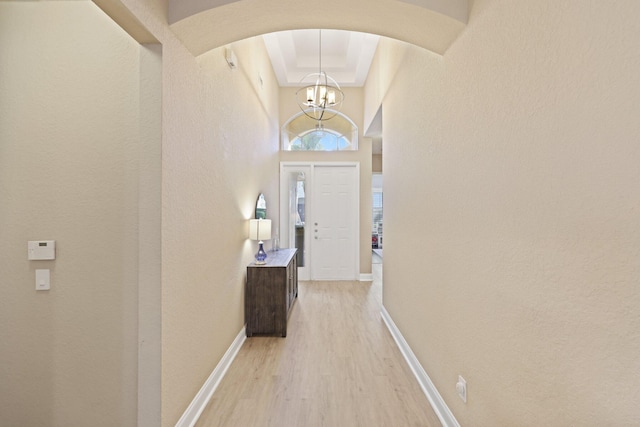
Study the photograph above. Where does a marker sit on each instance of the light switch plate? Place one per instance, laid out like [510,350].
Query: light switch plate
[43,280]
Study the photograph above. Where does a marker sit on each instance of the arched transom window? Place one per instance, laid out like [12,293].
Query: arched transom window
[301,133]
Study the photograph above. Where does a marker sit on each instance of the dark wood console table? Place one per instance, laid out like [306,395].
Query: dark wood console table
[270,293]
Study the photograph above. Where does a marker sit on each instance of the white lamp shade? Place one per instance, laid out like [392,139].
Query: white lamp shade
[260,229]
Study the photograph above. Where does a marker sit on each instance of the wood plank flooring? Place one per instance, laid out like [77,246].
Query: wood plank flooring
[338,366]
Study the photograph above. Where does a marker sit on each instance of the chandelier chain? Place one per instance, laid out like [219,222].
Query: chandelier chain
[320,51]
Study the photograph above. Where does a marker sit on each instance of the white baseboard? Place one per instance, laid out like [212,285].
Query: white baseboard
[366,277]
[201,400]
[437,403]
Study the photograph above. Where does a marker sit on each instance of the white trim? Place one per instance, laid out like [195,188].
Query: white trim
[366,277]
[437,403]
[191,415]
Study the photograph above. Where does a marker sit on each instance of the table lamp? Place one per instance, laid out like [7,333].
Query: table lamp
[260,229]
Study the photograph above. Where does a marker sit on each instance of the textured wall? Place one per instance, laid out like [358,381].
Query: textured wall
[69,147]
[515,156]
[220,150]
[71,124]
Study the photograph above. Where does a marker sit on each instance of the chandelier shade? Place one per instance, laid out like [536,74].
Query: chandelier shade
[319,96]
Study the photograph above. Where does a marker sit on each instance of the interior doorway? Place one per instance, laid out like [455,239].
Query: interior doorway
[319,205]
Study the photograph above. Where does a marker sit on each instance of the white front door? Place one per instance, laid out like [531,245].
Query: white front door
[335,219]
[324,223]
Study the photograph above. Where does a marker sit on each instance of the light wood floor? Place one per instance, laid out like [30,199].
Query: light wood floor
[338,367]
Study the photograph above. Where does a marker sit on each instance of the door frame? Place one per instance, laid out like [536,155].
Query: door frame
[309,210]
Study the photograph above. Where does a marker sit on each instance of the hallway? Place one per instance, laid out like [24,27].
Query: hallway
[338,366]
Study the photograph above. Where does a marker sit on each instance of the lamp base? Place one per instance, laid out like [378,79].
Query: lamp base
[261,255]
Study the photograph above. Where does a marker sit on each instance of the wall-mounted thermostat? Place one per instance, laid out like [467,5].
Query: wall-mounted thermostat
[41,249]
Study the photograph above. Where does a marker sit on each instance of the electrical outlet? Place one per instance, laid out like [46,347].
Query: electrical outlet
[461,388]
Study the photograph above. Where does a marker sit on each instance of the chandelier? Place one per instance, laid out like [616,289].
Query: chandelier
[320,96]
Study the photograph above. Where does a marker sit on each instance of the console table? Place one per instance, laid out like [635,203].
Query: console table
[270,293]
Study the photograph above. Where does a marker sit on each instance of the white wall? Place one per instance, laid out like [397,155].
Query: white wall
[74,140]
[70,145]
[516,157]
[220,150]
